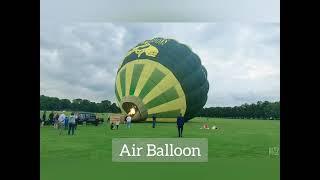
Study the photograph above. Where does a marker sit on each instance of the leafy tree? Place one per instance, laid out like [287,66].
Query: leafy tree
[56,104]
[259,110]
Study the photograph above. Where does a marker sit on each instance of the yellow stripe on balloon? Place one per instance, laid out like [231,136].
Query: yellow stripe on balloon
[166,83]
[144,76]
[169,106]
[118,86]
[129,71]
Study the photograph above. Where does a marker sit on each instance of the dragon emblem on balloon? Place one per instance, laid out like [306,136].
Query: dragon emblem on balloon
[146,48]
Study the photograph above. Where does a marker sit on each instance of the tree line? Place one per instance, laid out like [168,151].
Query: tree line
[56,104]
[259,110]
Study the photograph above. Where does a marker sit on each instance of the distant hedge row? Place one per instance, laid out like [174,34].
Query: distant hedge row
[56,104]
[260,110]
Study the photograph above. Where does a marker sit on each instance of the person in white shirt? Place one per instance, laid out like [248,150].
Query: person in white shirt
[128,119]
[61,122]
[76,119]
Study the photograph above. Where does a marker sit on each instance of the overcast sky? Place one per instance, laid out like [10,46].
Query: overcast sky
[79,59]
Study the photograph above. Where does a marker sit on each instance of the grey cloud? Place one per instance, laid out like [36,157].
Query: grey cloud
[159,10]
[242,59]
[81,59]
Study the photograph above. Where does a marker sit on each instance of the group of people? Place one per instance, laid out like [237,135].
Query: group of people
[69,123]
[180,123]
[127,121]
[61,121]
[206,126]
[115,125]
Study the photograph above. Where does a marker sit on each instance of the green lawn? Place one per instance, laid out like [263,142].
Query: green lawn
[238,150]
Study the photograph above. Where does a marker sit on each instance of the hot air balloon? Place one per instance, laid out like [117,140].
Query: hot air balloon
[161,77]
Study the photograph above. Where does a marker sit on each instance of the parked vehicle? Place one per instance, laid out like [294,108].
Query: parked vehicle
[88,118]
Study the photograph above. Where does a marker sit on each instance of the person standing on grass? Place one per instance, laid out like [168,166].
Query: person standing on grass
[128,119]
[125,120]
[72,123]
[153,120]
[51,115]
[55,123]
[44,116]
[77,120]
[180,123]
[111,126]
[61,122]
[117,124]
[66,122]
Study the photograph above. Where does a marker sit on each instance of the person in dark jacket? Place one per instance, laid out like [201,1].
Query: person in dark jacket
[71,123]
[56,121]
[153,121]
[51,118]
[44,116]
[180,123]
[125,120]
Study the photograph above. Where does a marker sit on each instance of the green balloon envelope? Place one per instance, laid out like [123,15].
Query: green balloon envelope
[161,77]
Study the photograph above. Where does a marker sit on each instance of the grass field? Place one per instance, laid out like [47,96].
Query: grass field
[238,150]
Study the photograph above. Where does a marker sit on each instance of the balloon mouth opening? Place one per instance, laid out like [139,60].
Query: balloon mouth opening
[135,108]
[131,110]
